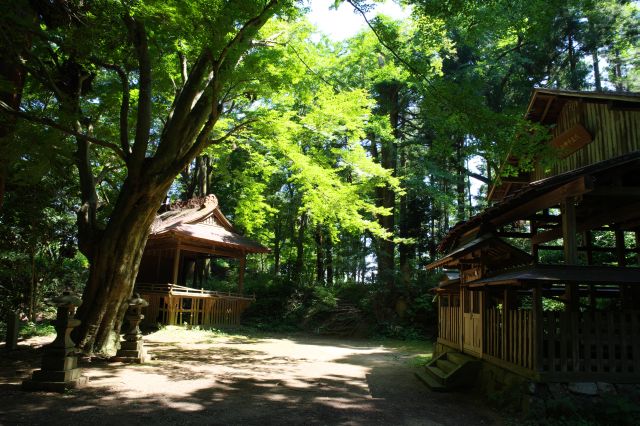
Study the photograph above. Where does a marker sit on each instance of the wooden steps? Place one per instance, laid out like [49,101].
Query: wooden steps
[448,371]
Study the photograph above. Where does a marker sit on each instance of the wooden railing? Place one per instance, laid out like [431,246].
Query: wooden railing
[449,324]
[508,336]
[173,304]
[180,290]
[591,344]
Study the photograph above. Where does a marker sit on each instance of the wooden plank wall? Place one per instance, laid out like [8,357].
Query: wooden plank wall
[449,324]
[614,132]
[596,344]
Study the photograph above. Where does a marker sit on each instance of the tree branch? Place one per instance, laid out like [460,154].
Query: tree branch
[251,25]
[230,133]
[143,123]
[50,123]
[124,107]
[479,177]
[183,67]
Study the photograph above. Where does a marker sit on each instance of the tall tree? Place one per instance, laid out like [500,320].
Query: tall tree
[161,124]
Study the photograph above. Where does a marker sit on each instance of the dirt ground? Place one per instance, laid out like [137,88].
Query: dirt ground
[198,378]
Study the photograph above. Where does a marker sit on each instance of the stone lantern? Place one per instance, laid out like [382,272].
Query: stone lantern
[59,370]
[132,348]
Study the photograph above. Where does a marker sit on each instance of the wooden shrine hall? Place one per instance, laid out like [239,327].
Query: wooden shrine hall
[547,281]
[184,236]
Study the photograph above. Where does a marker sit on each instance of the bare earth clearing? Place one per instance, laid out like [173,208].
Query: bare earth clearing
[196,378]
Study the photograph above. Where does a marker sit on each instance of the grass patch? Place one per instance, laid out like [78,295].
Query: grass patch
[178,333]
[417,352]
[31,329]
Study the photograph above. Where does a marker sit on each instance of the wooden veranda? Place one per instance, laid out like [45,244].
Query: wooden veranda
[172,304]
[183,240]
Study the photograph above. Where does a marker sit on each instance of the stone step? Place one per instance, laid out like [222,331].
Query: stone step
[446,365]
[437,373]
[431,382]
[458,358]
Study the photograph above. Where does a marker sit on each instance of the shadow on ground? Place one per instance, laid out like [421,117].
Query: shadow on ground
[264,381]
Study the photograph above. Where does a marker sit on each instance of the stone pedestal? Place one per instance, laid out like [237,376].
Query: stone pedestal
[59,370]
[13,327]
[132,348]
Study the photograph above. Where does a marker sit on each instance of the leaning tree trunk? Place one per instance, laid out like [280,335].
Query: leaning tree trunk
[115,265]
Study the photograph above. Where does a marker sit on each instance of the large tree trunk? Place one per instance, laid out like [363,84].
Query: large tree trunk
[115,264]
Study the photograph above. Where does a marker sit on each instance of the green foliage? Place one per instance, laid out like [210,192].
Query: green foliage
[31,329]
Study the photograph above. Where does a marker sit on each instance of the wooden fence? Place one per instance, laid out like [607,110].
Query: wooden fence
[592,344]
[508,336]
[449,324]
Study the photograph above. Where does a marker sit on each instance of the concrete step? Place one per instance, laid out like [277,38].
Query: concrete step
[431,382]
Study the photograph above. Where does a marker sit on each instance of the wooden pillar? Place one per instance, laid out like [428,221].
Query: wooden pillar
[588,242]
[534,247]
[538,328]
[570,245]
[506,307]
[637,233]
[176,266]
[620,249]
[622,261]
[241,268]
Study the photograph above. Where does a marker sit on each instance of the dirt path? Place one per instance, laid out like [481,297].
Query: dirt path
[199,379]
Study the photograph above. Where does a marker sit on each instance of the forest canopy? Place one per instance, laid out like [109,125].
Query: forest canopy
[349,159]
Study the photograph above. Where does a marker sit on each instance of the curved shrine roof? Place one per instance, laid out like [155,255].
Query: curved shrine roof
[201,219]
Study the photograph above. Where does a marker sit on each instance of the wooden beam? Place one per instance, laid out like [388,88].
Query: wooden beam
[621,214]
[616,191]
[577,187]
[546,218]
[546,108]
[507,234]
[592,248]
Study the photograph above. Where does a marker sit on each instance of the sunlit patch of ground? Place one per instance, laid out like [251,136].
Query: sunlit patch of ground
[197,376]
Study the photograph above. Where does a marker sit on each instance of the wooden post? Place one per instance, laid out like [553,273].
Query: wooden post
[620,249]
[622,261]
[176,266]
[241,268]
[570,245]
[506,306]
[588,242]
[533,225]
[538,326]
[637,233]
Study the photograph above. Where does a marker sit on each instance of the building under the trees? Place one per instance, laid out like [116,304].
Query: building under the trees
[184,238]
[576,319]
